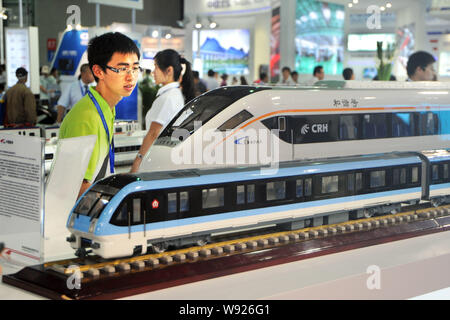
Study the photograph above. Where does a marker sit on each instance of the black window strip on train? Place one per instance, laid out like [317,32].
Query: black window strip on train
[254,194]
[303,129]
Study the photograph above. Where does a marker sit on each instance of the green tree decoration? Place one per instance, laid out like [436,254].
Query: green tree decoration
[386,60]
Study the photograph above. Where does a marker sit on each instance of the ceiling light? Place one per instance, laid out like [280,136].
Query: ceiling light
[168,36]
[212,23]
[350,5]
[155,34]
[355,1]
[382,8]
[198,24]
[388,5]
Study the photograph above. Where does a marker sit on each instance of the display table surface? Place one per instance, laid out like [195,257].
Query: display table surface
[408,268]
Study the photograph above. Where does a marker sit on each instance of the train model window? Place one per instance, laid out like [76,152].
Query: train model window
[172,202]
[282,124]
[137,210]
[184,201]
[377,179]
[403,176]
[445,175]
[276,190]
[98,207]
[435,172]
[205,107]
[240,195]
[308,187]
[236,120]
[251,193]
[429,123]
[402,124]
[120,217]
[351,182]
[374,126]
[330,184]
[212,198]
[299,188]
[359,181]
[87,202]
[348,127]
[396,177]
[415,174]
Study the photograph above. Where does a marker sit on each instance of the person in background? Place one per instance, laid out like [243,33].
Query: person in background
[318,75]
[200,86]
[263,79]
[210,81]
[286,79]
[235,81]
[224,80]
[74,92]
[170,70]
[348,74]
[54,88]
[44,95]
[3,74]
[114,61]
[20,103]
[294,76]
[420,67]
[244,81]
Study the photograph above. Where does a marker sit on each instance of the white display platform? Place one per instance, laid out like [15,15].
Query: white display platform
[412,268]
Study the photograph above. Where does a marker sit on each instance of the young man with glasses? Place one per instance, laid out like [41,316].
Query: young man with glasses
[114,61]
[420,67]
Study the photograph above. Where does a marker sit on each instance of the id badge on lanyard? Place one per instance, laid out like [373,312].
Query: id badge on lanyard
[111,145]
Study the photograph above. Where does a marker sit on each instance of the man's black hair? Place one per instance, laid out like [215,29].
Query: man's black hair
[211,73]
[286,69]
[317,70]
[102,48]
[347,73]
[418,59]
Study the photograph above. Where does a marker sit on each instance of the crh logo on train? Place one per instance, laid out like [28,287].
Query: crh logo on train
[315,128]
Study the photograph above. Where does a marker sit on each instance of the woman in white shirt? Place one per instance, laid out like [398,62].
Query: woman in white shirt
[170,70]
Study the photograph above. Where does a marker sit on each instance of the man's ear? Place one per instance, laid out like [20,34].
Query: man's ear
[98,71]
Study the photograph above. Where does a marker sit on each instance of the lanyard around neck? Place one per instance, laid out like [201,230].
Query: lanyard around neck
[83,92]
[111,145]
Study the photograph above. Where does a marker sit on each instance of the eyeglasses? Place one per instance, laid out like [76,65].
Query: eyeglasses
[124,70]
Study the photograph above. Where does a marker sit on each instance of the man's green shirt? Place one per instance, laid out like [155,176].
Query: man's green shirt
[83,120]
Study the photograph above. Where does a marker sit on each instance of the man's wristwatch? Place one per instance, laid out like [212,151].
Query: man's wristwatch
[140,156]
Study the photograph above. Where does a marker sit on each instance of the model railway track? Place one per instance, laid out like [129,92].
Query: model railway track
[93,268]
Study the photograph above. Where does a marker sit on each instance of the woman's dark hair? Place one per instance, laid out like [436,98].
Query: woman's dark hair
[171,58]
[102,48]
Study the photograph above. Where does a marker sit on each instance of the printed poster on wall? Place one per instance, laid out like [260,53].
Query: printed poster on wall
[21,197]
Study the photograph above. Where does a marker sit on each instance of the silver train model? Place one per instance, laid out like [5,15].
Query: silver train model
[234,126]
[130,214]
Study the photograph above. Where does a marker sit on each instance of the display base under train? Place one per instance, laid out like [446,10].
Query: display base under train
[137,275]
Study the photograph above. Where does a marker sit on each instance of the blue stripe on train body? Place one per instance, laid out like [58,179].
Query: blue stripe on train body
[104,228]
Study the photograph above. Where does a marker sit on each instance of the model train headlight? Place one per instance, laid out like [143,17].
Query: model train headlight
[92,225]
[72,221]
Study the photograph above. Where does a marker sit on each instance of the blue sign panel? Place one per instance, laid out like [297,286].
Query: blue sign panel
[68,56]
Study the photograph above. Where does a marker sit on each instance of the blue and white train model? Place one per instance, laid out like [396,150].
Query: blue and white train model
[354,132]
[128,214]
